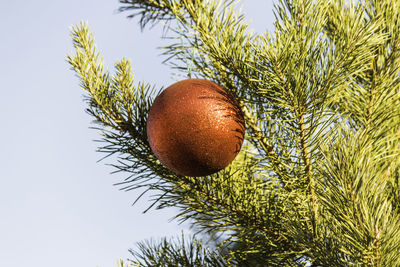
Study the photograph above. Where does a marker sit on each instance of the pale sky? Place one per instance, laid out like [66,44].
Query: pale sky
[58,205]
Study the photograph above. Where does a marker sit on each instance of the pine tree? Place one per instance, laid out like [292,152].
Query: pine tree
[317,180]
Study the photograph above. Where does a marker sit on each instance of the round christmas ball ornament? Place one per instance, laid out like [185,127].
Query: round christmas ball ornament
[195,127]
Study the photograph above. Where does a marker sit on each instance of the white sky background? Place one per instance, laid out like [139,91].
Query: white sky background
[58,206]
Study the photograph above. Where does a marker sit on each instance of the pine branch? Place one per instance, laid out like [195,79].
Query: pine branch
[351,167]
[121,263]
[183,253]
[319,185]
[258,135]
[120,109]
[124,108]
[223,202]
[365,111]
[152,11]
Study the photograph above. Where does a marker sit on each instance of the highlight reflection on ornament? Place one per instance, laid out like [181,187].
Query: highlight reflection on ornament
[195,127]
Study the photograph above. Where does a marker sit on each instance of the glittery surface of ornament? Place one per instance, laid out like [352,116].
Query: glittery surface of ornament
[195,127]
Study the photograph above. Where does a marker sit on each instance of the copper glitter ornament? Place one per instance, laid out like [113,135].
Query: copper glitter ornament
[195,127]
